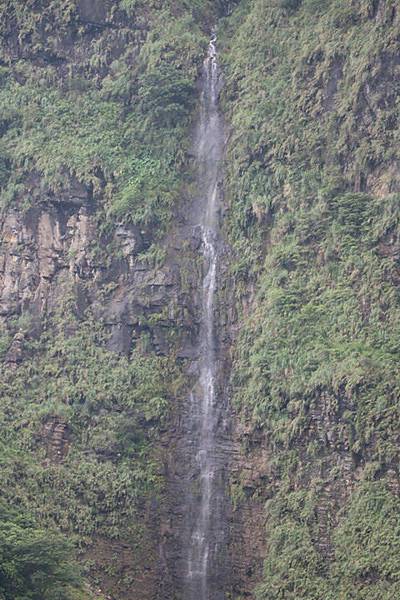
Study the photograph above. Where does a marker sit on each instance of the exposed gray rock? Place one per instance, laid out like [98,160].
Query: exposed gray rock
[15,352]
[130,241]
[94,11]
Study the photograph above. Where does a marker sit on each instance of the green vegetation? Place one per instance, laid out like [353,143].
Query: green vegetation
[366,561]
[118,124]
[326,319]
[106,100]
[314,217]
[35,564]
[296,86]
[110,410]
[367,545]
[96,97]
[295,569]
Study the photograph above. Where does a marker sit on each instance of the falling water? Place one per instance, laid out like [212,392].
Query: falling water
[207,529]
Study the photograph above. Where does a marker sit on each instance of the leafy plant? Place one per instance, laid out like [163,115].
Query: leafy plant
[36,564]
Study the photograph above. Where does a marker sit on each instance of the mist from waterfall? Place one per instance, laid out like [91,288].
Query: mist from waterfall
[207,535]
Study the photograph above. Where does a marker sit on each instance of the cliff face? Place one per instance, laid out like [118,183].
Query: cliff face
[99,309]
[100,287]
[312,180]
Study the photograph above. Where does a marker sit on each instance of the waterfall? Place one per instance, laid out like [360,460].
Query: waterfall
[207,527]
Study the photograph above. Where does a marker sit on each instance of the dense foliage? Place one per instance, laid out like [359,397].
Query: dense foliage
[110,410]
[366,561]
[35,564]
[311,95]
[96,97]
[113,113]
[105,96]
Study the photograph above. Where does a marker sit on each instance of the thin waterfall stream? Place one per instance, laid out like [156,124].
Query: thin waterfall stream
[207,531]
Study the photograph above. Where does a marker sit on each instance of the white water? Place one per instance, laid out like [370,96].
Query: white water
[206,536]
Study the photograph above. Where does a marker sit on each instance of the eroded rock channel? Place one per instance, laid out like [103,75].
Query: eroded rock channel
[204,447]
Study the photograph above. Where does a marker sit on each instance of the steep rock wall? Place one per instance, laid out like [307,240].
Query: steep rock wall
[313,186]
[99,311]
[100,287]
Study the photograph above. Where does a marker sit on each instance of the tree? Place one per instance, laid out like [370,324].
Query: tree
[166,95]
[35,564]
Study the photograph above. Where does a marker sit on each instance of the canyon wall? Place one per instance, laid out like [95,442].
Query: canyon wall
[103,289]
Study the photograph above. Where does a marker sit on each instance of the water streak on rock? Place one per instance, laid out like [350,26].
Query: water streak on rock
[206,505]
